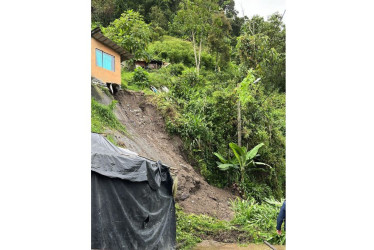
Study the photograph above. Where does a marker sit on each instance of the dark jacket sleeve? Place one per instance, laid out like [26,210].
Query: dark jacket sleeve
[281,216]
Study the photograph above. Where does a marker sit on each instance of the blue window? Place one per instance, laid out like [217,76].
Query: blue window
[99,58]
[104,60]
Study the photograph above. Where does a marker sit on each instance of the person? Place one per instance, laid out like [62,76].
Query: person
[281,218]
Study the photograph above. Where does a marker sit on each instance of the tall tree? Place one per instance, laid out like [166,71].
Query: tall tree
[262,48]
[218,38]
[102,11]
[193,20]
[244,96]
[228,6]
[158,18]
[130,32]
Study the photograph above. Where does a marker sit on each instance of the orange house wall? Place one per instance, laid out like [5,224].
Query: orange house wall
[101,73]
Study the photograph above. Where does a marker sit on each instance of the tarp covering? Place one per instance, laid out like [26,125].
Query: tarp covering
[132,205]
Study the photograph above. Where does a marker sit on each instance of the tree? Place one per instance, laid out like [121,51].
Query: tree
[130,32]
[218,38]
[244,97]
[193,21]
[228,7]
[262,48]
[102,11]
[158,18]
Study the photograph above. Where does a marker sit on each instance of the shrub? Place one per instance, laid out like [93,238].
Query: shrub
[176,69]
[140,77]
[173,50]
[259,219]
[257,191]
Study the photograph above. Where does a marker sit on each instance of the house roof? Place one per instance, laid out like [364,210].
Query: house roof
[96,33]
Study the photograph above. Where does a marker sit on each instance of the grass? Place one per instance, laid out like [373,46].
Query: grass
[112,140]
[102,117]
[259,220]
[126,76]
[253,223]
[191,228]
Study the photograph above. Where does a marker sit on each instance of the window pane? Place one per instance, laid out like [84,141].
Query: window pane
[107,62]
[113,68]
[99,58]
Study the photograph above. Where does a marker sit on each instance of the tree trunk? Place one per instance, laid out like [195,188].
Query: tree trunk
[195,53]
[241,177]
[198,68]
[239,122]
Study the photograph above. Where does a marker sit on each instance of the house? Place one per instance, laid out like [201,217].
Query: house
[106,58]
[140,63]
[153,64]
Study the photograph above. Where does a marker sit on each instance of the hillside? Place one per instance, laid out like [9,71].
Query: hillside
[214,112]
[147,137]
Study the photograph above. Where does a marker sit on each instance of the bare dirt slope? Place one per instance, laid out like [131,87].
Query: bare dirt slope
[148,137]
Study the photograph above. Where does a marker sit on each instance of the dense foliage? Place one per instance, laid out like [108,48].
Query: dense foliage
[130,32]
[226,79]
[253,222]
[259,220]
[226,100]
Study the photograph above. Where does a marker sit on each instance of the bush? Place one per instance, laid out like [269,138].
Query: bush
[173,50]
[140,77]
[160,77]
[176,69]
[257,191]
[259,220]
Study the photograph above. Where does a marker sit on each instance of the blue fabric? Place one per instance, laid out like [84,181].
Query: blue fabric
[99,58]
[282,217]
[108,62]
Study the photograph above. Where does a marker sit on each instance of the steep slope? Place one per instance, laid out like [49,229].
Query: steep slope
[147,137]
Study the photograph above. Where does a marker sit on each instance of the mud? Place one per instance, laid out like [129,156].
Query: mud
[149,138]
[214,245]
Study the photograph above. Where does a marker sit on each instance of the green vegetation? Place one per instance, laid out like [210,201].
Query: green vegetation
[259,220]
[140,78]
[244,161]
[130,32]
[102,117]
[226,79]
[191,228]
[111,139]
[226,99]
[253,222]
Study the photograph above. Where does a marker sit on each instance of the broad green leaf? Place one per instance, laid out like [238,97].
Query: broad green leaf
[225,166]
[251,154]
[262,164]
[238,152]
[220,157]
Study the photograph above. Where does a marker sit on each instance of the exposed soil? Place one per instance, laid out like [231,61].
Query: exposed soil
[231,236]
[148,137]
[214,245]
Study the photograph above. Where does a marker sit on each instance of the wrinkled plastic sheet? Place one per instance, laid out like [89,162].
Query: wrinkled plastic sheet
[132,205]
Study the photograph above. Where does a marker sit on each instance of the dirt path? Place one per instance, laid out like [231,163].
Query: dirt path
[214,245]
[149,138]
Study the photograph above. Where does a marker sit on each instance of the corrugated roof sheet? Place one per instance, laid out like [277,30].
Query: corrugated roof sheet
[96,33]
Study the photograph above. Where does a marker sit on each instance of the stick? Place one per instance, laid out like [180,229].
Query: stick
[269,245]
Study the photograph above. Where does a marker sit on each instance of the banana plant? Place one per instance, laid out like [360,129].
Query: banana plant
[244,160]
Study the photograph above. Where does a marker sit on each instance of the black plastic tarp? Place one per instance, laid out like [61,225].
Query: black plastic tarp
[132,205]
